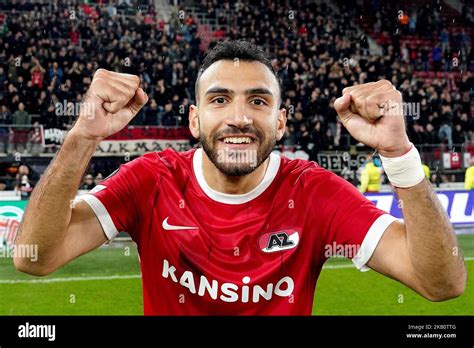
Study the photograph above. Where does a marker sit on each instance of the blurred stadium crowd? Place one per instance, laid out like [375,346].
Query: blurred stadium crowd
[50,50]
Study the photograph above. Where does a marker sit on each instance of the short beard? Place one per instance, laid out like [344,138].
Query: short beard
[237,169]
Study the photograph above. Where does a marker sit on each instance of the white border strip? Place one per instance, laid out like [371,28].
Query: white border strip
[371,240]
[270,174]
[102,214]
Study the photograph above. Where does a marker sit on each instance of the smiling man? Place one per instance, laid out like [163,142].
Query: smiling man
[231,228]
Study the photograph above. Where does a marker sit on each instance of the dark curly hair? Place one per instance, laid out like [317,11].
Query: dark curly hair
[232,49]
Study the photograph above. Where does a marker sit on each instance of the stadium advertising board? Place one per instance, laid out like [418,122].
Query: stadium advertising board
[139,140]
[459,204]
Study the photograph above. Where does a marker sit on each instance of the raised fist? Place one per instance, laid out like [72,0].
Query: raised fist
[373,114]
[111,102]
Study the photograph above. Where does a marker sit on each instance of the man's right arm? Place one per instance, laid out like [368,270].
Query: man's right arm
[60,228]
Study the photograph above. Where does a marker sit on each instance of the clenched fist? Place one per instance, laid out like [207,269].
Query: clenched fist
[111,102]
[372,114]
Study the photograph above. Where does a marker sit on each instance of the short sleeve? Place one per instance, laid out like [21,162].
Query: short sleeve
[114,200]
[354,225]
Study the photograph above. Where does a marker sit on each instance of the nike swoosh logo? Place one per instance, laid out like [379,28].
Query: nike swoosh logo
[169,227]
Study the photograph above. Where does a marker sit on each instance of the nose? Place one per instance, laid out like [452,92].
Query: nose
[240,117]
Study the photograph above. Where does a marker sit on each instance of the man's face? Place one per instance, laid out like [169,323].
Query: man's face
[238,119]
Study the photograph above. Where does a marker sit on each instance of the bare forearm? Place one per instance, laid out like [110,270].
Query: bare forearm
[49,209]
[432,243]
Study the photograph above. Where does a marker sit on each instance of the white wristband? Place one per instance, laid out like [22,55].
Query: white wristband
[404,171]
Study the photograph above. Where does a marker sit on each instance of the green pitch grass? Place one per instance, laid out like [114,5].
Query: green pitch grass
[79,288]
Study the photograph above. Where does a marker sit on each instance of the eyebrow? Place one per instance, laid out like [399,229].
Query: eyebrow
[222,90]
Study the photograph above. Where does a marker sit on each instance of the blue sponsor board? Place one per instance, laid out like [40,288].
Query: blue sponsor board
[459,205]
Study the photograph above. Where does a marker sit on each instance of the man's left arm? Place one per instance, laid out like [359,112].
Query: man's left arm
[423,252]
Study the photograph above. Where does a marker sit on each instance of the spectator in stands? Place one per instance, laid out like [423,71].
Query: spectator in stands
[370,177]
[168,118]
[445,132]
[444,38]
[55,74]
[5,116]
[74,73]
[98,179]
[34,145]
[458,135]
[436,56]
[412,22]
[3,77]
[430,135]
[425,65]
[289,138]
[328,139]
[160,93]
[303,138]
[5,120]
[23,185]
[417,135]
[20,134]
[21,117]
[88,182]
[151,113]
[426,170]
[317,140]
[37,73]
[469,176]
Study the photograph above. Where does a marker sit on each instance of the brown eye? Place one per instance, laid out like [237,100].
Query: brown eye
[259,102]
[219,100]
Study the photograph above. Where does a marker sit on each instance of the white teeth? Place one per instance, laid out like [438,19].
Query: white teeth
[234,140]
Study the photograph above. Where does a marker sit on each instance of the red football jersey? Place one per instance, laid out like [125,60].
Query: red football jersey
[203,252]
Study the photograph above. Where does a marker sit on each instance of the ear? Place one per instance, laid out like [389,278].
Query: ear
[281,123]
[194,121]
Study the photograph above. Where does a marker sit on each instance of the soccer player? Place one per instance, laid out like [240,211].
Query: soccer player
[232,228]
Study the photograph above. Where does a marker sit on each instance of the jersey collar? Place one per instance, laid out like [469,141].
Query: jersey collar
[226,198]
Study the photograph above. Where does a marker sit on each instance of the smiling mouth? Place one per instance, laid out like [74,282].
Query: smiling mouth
[238,140]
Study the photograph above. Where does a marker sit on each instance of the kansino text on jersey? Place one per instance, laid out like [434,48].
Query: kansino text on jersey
[229,292]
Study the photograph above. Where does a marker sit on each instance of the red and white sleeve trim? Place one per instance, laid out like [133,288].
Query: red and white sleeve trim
[102,215]
[371,240]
